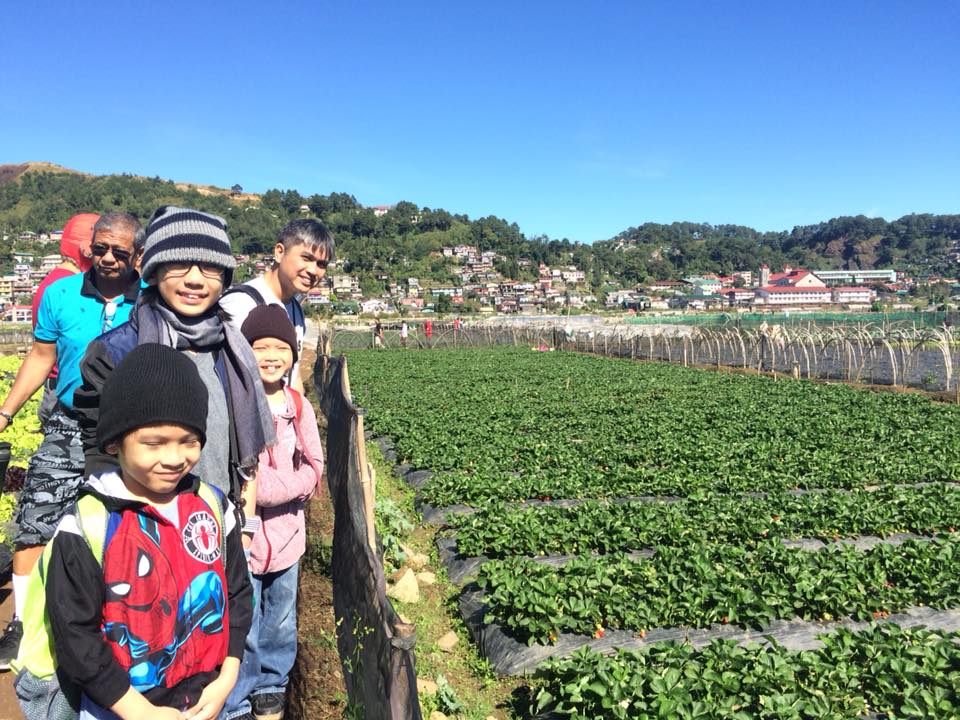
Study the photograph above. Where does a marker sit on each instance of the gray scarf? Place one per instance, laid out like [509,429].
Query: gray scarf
[252,419]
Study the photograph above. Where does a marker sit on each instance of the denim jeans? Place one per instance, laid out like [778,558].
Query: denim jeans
[271,646]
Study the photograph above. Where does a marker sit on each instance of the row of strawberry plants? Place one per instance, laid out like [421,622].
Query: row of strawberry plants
[593,526]
[511,424]
[700,586]
[882,671]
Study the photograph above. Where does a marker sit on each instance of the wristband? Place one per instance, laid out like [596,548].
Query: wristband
[8,416]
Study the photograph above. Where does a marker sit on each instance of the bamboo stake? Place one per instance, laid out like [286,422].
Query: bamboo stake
[366,484]
[346,387]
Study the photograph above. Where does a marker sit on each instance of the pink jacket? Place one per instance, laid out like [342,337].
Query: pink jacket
[282,490]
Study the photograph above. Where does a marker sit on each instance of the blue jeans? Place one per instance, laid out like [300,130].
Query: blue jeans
[271,646]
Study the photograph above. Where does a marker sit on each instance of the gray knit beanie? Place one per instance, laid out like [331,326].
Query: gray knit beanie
[176,234]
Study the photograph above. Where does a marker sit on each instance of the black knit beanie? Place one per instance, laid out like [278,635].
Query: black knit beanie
[152,384]
[270,321]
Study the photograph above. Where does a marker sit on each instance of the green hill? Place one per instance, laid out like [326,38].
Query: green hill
[407,240]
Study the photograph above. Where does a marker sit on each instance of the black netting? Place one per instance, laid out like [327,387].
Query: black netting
[376,648]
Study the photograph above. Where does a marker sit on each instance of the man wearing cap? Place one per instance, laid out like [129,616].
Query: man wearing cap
[72,312]
[75,257]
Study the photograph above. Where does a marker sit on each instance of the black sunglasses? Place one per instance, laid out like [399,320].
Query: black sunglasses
[101,249]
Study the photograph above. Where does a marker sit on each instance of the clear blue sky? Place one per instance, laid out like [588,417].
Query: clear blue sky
[572,119]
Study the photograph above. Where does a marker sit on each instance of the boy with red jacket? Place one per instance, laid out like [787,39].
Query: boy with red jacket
[155,627]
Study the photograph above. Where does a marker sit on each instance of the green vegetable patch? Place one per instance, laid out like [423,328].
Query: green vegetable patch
[593,526]
[507,424]
[720,584]
[885,671]
[24,435]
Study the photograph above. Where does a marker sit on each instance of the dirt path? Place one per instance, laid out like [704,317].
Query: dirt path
[316,683]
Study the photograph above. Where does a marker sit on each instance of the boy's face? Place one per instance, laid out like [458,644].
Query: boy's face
[274,358]
[190,289]
[300,267]
[154,458]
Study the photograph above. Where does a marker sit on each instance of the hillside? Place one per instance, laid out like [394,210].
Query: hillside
[407,240]
[9,173]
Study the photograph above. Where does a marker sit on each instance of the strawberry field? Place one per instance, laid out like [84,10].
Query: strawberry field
[670,516]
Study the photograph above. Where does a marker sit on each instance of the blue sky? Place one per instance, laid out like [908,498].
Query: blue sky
[574,120]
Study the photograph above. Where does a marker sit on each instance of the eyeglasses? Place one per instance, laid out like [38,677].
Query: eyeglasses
[179,269]
[101,250]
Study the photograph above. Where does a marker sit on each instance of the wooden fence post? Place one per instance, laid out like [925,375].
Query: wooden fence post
[367,480]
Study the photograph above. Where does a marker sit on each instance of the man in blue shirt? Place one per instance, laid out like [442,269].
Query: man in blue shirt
[72,313]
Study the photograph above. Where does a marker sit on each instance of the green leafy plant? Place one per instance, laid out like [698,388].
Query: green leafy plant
[884,670]
[718,584]
[602,526]
[506,424]
[392,527]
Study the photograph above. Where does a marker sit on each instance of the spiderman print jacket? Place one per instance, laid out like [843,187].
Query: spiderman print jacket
[165,607]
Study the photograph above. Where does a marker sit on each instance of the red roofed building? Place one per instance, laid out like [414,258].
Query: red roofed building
[796,286]
[793,286]
[794,277]
[739,296]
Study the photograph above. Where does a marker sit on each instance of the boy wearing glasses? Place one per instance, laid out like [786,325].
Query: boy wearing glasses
[187,263]
[73,311]
[302,252]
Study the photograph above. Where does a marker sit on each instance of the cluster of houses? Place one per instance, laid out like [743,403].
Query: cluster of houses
[28,271]
[478,280]
[794,287]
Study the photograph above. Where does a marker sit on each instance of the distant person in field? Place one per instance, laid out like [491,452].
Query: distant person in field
[75,258]
[303,250]
[404,333]
[73,311]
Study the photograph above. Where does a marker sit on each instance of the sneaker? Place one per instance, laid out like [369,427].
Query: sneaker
[10,643]
[268,706]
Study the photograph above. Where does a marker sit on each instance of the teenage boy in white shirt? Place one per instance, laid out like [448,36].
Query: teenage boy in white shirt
[303,250]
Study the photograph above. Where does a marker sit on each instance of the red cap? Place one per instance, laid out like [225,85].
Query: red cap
[77,238]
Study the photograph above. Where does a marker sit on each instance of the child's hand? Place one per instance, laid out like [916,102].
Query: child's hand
[211,700]
[215,694]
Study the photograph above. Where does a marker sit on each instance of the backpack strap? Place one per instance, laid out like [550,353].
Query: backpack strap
[92,518]
[298,410]
[297,404]
[36,654]
[249,291]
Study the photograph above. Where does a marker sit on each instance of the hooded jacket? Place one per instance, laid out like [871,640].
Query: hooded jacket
[163,610]
[289,473]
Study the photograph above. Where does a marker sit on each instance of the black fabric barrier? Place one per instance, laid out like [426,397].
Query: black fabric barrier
[376,649]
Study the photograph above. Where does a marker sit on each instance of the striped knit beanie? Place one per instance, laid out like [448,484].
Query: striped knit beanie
[177,234]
